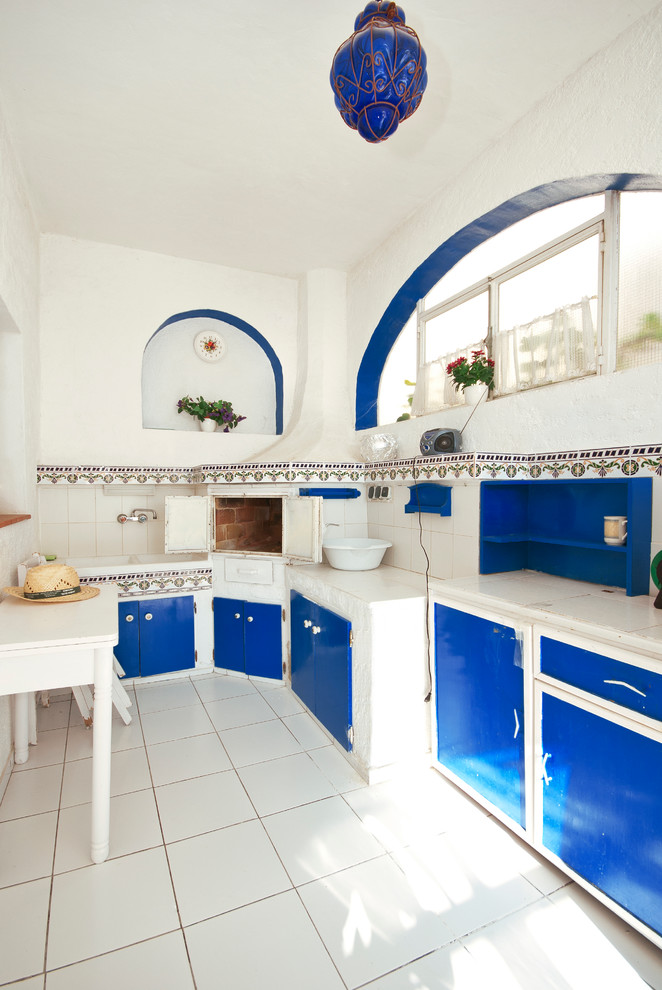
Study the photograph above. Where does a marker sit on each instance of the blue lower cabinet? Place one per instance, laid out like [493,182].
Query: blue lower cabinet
[480,706]
[302,647]
[127,650]
[248,638]
[156,636]
[602,805]
[322,665]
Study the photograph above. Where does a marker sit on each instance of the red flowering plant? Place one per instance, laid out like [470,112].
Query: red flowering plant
[479,370]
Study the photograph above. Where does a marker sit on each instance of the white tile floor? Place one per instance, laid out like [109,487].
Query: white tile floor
[246,853]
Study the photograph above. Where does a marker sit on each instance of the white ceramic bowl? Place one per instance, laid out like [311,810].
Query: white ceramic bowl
[355,553]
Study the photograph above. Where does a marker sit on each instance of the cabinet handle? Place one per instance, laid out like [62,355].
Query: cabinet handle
[249,618]
[148,616]
[316,630]
[128,618]
[544,771]
[516,724]
[628,686]
[307,623]
[237,615]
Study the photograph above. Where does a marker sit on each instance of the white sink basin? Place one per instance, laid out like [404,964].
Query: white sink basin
[353,553]
[136,562]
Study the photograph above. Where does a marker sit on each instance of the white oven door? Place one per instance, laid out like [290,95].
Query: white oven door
[187,523]
[302,528]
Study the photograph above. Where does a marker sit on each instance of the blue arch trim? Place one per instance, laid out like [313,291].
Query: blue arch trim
[451,251]
[251,332]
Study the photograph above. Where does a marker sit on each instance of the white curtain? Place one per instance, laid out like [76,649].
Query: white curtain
[551,348]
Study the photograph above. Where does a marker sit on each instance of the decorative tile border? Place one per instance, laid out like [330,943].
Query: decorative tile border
[136,582]
[280,471]
[111,475]
[644,459]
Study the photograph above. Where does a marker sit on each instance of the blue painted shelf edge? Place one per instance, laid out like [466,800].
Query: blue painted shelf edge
[331,492]
[429,497]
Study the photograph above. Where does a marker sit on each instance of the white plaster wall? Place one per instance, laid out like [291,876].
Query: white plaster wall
[100,306]
[172,369]
[19,261]
[603,119]
[322,422]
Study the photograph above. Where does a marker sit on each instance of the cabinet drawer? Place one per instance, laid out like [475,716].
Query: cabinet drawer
[625,684]
[249,571]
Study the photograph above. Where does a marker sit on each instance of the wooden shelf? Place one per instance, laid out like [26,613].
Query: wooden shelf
[9,518]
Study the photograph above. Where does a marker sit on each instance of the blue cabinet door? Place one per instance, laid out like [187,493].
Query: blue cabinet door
[229,634]
[602,805]
[333,674]
[167,638]
[322,665]
[127,650]
[247,637]
[302,614]
[263,649]
[480,706]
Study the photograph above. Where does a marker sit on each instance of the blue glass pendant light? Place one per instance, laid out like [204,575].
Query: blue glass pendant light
[378,75]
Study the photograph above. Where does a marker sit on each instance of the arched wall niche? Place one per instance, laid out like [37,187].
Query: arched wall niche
[249,374]
[451,251]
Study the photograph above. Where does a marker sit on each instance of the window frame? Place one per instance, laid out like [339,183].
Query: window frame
[601,224]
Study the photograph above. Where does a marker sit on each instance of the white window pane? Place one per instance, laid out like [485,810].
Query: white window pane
[640,280]
[399,368]
[548,320]
[514,243]
[463,326]
[454,334]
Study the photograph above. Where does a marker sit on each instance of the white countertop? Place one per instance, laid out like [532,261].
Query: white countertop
[383,584]
[607,613]
[28,625]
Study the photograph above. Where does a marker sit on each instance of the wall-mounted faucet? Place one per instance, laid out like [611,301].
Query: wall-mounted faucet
[137,515]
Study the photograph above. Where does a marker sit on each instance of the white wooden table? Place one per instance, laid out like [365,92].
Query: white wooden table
[44,647]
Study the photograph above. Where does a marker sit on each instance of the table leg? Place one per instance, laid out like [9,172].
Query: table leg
[101,730]
[21,727]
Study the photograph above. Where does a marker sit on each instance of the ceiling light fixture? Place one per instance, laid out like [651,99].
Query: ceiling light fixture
[378,75]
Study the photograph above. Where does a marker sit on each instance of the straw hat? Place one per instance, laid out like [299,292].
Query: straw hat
[49,584]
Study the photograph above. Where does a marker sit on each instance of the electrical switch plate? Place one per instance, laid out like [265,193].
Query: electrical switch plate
[380,493]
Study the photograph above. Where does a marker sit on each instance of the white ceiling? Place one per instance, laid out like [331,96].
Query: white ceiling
[206,129]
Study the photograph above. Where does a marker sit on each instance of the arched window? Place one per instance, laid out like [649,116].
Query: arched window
[552,285]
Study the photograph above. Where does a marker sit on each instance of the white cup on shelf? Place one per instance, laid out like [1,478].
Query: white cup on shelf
[616,530]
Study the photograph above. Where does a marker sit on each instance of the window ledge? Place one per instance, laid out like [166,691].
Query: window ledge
[9,518]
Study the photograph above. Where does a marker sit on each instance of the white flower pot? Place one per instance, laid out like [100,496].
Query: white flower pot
[207,425]
[474,393]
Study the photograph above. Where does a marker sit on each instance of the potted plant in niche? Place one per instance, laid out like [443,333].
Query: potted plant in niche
[474,377]
[218,412]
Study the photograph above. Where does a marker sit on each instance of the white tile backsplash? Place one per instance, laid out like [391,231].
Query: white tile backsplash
[465,510]
[55,538]
[465,556]
[53,505]
[441,555]
[134,538]
[82,539]
[81,520]
[656,535]
[82,507]
[109,539]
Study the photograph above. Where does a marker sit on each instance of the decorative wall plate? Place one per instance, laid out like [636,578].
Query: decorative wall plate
[209,345]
